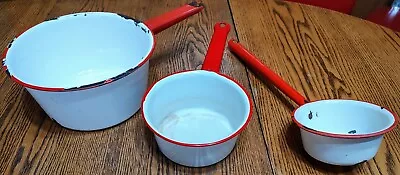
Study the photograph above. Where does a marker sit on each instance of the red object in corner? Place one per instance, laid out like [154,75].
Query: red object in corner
[166,20]
[386,16]
[344,6]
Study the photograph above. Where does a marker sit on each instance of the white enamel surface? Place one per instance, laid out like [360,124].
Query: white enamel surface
[78,49]
[96,108]
[337,151]
[196,156]
[191,100]
[191,125]
[196,107]
[343,116]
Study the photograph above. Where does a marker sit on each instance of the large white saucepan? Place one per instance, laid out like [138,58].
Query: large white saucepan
[88,70]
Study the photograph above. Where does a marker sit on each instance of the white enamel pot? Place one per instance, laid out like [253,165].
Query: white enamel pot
[197,116]
[337,132]
[88,71]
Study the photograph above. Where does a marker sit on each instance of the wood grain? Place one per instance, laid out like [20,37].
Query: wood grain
[323,55]
[32,144]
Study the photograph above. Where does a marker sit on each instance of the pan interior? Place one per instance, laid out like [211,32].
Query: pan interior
[78,49]
[346,117]
[196,107]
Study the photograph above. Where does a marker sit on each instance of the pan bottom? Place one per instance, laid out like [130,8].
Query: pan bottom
[195,125]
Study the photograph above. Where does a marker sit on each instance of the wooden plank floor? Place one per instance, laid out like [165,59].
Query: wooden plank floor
[305,45]
[314,51]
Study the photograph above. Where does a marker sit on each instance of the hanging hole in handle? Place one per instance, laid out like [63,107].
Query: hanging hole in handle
[222,25]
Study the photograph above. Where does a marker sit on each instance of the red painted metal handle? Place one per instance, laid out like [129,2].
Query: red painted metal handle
[254,63]
[215,52]
[166,20]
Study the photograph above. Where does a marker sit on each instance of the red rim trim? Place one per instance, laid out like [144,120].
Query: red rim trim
[347,136]
[83,87]
[242,128]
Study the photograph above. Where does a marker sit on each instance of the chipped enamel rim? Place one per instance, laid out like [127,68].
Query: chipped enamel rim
[347,136]
[84,86]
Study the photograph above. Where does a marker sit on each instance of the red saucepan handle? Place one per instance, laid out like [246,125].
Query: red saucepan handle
[162,22]
[215,52]
[254,63]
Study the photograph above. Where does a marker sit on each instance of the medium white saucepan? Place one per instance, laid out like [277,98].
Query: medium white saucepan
[88,70]
[197,116]
[338,132]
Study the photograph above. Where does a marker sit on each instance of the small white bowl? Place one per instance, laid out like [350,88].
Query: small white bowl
[343,132]
[337,132]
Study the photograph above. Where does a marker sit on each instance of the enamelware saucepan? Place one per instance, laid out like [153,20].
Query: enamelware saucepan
[337,132]
[196,116]
[88,70]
